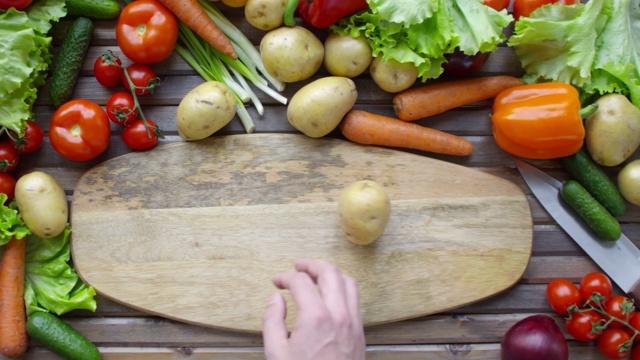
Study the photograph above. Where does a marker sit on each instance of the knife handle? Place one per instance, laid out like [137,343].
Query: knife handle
[634,293]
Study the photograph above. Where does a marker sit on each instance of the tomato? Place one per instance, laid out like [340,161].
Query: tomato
[526,7]
[146,31]
[79,130]
[9,157]
[618,307]
[580,325]
[610,341]
[595,282]
[18,4]
[136,136]
[121,108]
[561,294]
[497,4]
[460,64]
[107,69]
[634,321]
[7,186]
[143,78]
[635,353]
[32,139]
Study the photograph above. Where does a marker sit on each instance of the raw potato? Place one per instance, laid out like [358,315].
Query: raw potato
[318,107]
[613,131]
[629,182]
[346,56]
[205,109]
[265,14]
[42,204]
[291,53]
[364,209]
[393,76]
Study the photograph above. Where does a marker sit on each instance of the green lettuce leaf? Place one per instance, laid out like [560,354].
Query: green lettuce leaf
[51,283]
[423,32]
[11,225]
[593,46]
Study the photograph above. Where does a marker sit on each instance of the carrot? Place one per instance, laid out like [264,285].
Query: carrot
[194,16]
[13,318]
[371,129]
[420,102]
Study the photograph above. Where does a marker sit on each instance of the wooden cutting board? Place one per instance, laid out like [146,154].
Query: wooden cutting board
[195,231]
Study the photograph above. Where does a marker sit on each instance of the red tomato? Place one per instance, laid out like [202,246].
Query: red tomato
[497,4]
[634,321]
[18,4]
[7,186]
[561,294]
[595,282]
[526,7]
[32,139]
[146,31]
[79,130]
[121,108]
[610,341]
[107,69]
[618,307]
[137,137]
[580,325]
[142,77]
[635,353]
[9,157]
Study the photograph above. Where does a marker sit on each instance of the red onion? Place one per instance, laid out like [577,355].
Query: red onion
[534,338]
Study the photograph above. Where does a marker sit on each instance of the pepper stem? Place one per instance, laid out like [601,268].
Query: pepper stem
[289,10]
[588,110]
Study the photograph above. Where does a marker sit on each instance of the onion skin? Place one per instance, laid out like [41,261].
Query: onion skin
[534,338]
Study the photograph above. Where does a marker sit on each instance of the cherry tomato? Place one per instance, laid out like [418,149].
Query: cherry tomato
[634,321]
[121,108]
[18,4]
[595,282]
[79,130]
[635,353]
[497,4]
[615,306]
[146,31]
[561,294]
[526,7]
[142,77]
[7,186]
[580,325]
[460,64]
[107,70]
[32,139]
[136,136]
[9,157]
[609,343]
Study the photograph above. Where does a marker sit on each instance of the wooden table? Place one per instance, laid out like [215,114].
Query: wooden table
[471,332]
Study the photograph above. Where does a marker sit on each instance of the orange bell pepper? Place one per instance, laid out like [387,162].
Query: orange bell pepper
[538,121]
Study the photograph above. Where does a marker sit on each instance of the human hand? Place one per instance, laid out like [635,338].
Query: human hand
[328,323]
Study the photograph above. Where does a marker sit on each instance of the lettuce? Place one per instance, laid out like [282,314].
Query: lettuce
[51,284]
[11,225]
[422,32]
[593,46]
[25,55]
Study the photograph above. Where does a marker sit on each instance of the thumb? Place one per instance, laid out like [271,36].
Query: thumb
[274,328]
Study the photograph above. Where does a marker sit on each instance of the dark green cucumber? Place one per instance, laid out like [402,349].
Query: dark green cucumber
[68,62]
[93,9]
[589,174]
[60,337]
[590,210]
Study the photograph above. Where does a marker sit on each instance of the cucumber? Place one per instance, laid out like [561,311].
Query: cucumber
[590,210]
[589,174]
[93,9]
[60,337]
[69,60]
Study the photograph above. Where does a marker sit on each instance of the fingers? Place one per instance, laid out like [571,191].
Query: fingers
[331,283]
[302,289]
[353,299]
[274,333]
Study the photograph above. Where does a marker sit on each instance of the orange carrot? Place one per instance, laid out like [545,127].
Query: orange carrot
[13,318]
[420,102]
[194,16]
[366,128]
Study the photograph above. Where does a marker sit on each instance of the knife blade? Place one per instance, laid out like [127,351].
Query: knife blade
[619,259]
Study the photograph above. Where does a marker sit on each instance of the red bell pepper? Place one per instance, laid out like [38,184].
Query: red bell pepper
[322,13]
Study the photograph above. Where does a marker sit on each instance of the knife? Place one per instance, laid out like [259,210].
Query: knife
[619,259]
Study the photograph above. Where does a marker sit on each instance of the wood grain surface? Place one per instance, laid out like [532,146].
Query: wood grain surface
[195,231]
